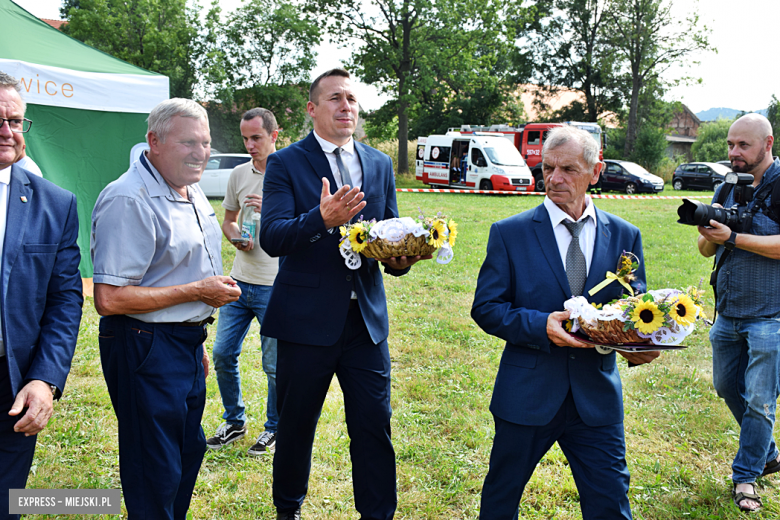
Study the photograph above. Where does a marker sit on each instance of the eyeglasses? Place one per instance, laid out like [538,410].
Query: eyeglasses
[18,126]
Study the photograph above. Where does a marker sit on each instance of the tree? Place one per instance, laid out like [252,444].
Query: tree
[156,35]
[650,39]
[710,145]
[261,43]
[416,49]
[773,114]
[260,55]
[575,51]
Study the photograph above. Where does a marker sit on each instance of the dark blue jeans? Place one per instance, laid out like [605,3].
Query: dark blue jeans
[155,378]
[745,371]
[234,321]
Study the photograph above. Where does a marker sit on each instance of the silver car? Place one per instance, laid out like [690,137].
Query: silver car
[215,177]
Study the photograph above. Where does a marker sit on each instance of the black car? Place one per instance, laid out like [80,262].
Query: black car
[699,176]
[629,177]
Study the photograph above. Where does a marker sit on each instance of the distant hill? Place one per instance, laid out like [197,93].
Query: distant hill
[713,114]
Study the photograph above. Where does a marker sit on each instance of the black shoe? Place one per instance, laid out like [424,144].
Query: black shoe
[265,444]
[226,434]
[292,515]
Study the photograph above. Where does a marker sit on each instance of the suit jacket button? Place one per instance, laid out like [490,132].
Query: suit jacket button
[349,277]
[572,356]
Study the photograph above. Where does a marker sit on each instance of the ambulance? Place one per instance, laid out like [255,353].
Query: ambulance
[480,160]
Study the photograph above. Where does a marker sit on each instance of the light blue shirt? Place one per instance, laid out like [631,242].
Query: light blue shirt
[146,234]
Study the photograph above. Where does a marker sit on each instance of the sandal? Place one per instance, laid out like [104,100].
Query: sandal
[771,467]
[740,497]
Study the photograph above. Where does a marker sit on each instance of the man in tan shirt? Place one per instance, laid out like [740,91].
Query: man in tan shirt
[254,271]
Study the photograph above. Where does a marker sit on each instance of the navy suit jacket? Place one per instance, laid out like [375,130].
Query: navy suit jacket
[520,283]
[41,284]
[311,293]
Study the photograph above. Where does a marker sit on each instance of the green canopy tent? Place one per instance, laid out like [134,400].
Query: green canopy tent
[88,108]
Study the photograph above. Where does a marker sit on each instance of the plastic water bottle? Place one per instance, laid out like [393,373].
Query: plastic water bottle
[250,222]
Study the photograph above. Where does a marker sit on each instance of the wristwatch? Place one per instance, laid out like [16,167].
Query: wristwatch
[731,242]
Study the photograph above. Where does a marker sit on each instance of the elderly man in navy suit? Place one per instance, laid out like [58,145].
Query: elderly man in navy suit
[311,188]
[551,387]
[41,301]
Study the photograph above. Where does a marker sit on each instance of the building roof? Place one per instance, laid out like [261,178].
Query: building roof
[54,23]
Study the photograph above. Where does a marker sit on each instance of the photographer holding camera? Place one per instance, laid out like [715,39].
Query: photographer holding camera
[745,339]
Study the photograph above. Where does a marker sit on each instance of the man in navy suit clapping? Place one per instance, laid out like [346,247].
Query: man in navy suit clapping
[329,319]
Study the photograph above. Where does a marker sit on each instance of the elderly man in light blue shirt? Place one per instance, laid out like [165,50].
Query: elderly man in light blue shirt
[156,249]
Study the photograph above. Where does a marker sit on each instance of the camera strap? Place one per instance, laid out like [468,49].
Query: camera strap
[716,265]
[723,194]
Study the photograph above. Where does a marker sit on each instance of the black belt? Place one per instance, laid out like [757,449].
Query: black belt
[207,321]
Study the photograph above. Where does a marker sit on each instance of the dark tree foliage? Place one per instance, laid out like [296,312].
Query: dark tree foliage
[156,35]
[649,39]
[710,145]
[261,54]
[224,120]
[773,114]
[426,54]
[573,45]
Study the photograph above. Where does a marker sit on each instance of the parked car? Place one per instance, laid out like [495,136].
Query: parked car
[629,177]
[699,176]
[215,177]
[727,164]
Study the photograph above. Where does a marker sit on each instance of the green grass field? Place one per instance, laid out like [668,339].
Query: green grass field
[681,438]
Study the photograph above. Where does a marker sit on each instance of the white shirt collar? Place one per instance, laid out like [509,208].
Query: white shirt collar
[328,147]
[5,175]
[557,215]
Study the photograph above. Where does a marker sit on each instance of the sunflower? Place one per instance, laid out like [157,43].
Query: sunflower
[683,311]
[453,227]
[437,233]
[357,237]
[567,325]
[647,317]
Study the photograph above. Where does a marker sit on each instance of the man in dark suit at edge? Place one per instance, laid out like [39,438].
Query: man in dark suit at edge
[40,310]
[343,312]
[551,387]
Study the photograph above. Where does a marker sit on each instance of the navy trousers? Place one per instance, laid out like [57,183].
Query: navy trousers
[596,455]
[157,386]
[303,375]
[16,450]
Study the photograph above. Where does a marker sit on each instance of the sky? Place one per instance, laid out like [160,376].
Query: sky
[740,75]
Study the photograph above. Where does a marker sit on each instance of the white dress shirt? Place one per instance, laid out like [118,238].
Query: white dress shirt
[348,156]
[562,234]
[5,181]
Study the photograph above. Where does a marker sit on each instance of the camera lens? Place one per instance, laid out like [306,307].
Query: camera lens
[695,213]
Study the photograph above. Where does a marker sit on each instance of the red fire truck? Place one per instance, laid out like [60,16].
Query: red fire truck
[530,137]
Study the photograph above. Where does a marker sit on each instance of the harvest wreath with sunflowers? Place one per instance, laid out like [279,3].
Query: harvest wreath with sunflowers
[661,317]
[398,237]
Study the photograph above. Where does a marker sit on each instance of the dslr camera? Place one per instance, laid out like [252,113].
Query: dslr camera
[737,217]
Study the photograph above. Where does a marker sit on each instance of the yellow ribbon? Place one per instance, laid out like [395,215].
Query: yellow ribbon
[611,277]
